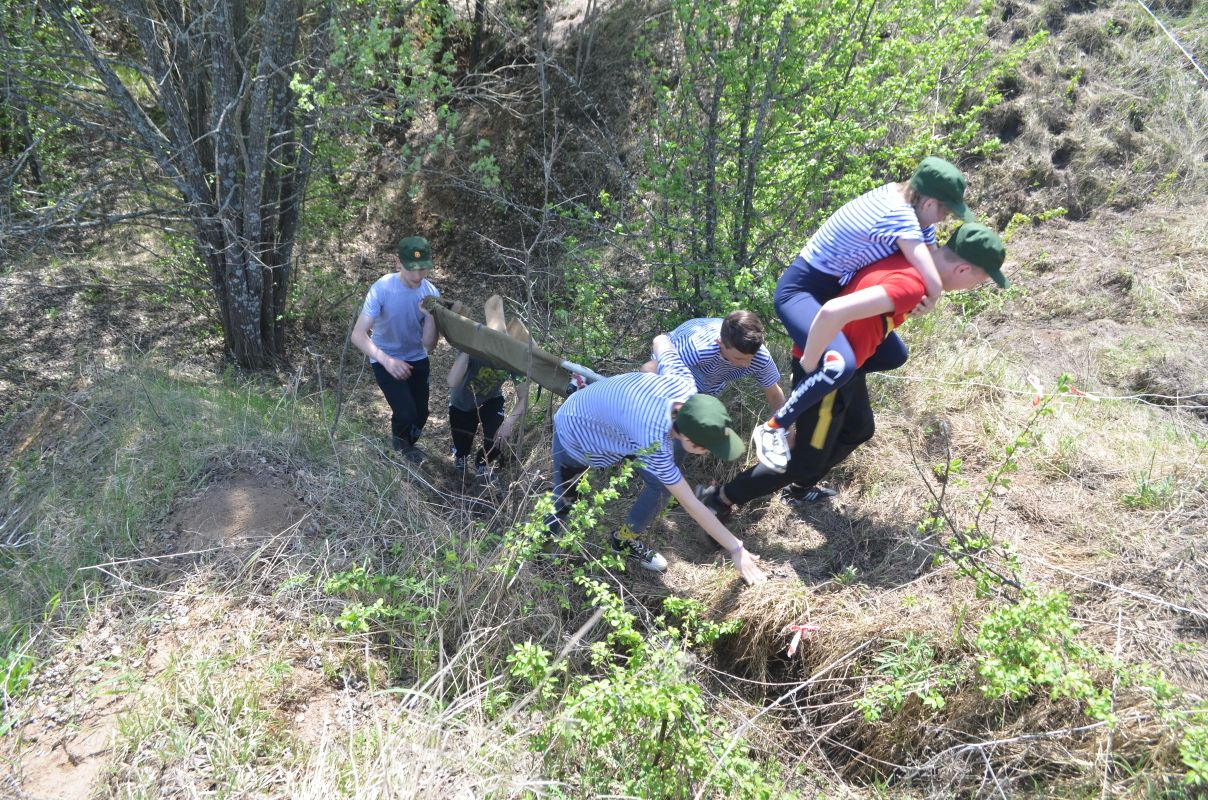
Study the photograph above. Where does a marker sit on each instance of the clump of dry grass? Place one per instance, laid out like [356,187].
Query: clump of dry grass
[442,755]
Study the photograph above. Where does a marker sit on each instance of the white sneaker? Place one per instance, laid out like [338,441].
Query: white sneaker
[647,557]
[771,447]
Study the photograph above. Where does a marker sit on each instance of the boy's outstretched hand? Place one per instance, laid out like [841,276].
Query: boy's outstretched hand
[744,562]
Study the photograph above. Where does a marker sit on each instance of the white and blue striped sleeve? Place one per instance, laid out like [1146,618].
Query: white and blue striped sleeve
[899,223]
[763,366]
[671,364]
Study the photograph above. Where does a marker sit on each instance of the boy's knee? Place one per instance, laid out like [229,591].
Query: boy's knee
[858,436]
[838,367]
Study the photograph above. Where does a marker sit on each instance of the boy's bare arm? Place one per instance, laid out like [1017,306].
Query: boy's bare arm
[871,302]
[430,331]
[919,256]
[775,396]
[457,372]
[364,342]
[518,410]
[744,562]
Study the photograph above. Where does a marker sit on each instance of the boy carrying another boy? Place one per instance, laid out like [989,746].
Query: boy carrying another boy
[876,302]
[893,219]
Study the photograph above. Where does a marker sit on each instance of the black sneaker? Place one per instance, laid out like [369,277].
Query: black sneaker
[626,543]
[797,495]
[413,455]
[486,476]
[710,495]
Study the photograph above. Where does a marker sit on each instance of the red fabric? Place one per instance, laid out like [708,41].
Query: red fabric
[905,288]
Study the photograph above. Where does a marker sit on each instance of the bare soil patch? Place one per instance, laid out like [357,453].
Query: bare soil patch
[237,512]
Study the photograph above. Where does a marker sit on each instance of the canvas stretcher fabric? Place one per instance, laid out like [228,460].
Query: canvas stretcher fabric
[502,351]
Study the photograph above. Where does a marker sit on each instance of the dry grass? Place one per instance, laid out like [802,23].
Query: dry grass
[230,672]
[1108,113]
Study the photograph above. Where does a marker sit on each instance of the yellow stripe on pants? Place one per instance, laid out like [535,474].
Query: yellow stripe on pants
[825,411]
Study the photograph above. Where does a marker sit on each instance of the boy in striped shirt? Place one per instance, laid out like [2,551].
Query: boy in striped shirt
[718,351]
[894,219]
[639,415]
[834,419]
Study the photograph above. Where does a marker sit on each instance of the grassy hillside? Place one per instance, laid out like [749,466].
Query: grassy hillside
[224,585]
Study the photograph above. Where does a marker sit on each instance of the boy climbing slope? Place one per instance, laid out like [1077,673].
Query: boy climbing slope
[875,303]
[396,333]
[894,218]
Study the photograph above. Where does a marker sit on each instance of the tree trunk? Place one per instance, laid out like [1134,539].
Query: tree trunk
[233,140]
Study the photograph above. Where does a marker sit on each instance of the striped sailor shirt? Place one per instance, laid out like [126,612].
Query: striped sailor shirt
[615,418]
[696,341]
[862,231]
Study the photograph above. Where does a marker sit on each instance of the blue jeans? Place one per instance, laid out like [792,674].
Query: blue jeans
[650,503]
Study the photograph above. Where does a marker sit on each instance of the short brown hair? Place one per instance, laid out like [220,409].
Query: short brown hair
[743,331]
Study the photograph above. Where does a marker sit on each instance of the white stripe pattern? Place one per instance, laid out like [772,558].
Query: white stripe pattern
[862,231]
[696,342]
[617,417]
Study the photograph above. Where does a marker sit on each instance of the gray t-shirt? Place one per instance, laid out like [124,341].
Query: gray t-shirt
[481,383]
[398,322]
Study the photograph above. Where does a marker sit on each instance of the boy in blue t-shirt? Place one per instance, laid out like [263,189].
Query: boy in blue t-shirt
[402,335]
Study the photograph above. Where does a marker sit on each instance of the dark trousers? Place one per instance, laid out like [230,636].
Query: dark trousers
[408,401]
[463,425]
[799,296]
[827,432]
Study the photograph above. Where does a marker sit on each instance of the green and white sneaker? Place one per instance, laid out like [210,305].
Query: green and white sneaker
[625,542]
